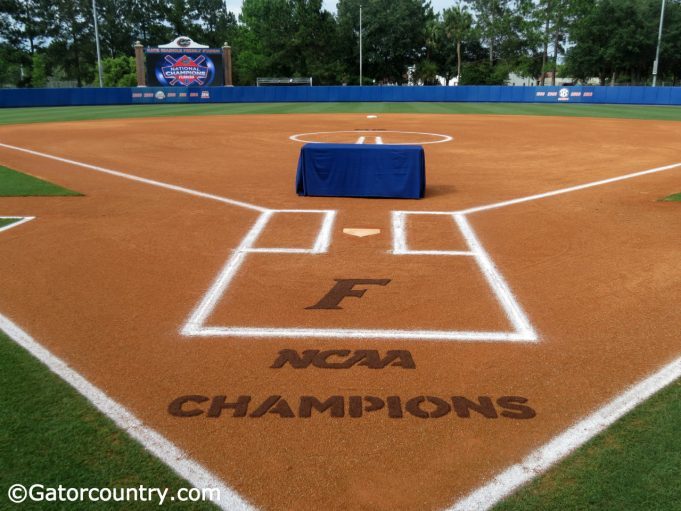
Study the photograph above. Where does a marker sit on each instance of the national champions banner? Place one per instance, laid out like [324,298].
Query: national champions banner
[184,67]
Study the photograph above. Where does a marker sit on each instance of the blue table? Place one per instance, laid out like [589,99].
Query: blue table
[361,170]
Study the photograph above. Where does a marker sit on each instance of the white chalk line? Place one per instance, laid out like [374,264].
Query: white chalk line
[540,460]
[523,330]
[496,281]
[139,179]
[197,318]
[441,138]
[19,220]
[562,191]
[196,326]
[195,473]
[353,333]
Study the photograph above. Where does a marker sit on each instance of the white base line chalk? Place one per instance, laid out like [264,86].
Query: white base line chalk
[562,191]
[197,475]
[540,460]
[19,220]
[139,179]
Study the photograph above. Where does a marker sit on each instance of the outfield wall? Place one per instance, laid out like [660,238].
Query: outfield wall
[279,94]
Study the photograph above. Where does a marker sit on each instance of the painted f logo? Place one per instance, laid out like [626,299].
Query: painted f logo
[345,288]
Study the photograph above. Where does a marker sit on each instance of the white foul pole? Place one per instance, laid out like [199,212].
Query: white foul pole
[99,56]
[360,45]
[659,41]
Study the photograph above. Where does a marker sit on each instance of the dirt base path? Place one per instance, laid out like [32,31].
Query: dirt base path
[108,281]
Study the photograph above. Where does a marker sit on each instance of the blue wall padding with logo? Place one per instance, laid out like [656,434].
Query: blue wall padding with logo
[278,94]
[359,170]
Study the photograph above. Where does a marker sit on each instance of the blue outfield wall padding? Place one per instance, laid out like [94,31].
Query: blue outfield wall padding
[277,94]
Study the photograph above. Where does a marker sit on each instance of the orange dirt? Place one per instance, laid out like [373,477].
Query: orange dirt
[106,282]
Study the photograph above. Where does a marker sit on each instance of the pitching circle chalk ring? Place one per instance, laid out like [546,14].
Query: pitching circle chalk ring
[441,138]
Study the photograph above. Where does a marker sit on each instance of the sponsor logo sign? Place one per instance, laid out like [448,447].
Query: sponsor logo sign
[185,71]
[184,67]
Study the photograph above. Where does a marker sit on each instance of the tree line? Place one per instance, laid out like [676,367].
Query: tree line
[404,41]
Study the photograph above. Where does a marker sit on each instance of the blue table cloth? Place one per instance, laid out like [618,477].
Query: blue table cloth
[361,170]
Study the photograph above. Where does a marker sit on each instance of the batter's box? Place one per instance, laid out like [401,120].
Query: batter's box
[241,284]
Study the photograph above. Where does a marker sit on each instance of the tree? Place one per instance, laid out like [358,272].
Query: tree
[38,71]
[490,19]
[119,72]
[394,35]
[670,55]
[116,33]
[263,42]
[217,25]
[148,22]
[313,44]
[73,41]
[287,38]
[458,23]
[10,65]
[23,23]
[616,38]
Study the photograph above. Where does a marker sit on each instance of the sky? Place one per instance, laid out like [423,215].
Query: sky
[330,5]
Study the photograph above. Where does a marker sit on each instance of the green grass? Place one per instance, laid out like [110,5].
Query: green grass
[16,184]
[4,222]
[51,435]
[54,114]
[673,198]
[635,465]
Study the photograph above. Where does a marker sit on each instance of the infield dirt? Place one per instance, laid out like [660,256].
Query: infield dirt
[107,281]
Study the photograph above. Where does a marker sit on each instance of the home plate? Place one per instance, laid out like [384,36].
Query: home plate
[360,233]
[372,116]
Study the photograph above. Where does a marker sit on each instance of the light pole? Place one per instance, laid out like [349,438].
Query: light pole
[659,41]
[360,45]
[99,57]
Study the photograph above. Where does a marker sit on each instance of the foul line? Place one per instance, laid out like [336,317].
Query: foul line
[139,179]
[19,220]
[196,474]
[566,190]
[541,459]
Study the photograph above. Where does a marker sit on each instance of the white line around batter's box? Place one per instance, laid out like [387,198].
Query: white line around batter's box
[19,220]
[196,326]
[196,330]
[523,330]
[195,473]
[203,310]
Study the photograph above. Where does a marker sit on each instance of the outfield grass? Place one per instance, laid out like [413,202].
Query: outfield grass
[54,114]
[16,184]
[50,435]
[4,222]
[635,465]
[673,198]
